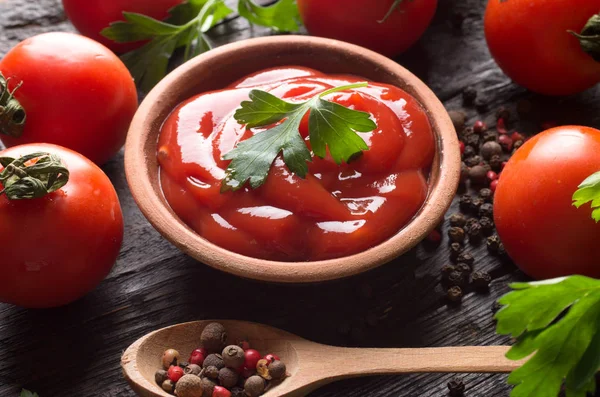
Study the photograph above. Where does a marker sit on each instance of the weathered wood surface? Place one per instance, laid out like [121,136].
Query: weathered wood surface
[75,350]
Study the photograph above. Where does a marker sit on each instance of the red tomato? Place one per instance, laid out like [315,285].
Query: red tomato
[91,16]
[541,230]
[531,43]
[60,246]
[357,21]
[76,94]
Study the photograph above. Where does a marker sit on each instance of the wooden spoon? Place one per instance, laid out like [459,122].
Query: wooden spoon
[309,365]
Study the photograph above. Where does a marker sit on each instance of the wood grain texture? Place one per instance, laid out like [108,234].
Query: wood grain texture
[75,350]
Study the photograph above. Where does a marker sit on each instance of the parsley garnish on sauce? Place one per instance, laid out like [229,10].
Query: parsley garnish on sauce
[557,323]
[330,126]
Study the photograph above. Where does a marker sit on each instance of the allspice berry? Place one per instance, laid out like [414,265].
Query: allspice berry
[213,360]
[238,392]
[193,369]
[254,386]
[490,149]
[228,377]
[213,337]
[189,386]
[477,174]
[262,368]
[170,357]
[458,119]
[277,370]
[233,356]
[211,372]
[207,387]
[168,386]
[160,376]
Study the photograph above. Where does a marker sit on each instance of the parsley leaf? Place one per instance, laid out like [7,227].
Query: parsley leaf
[27,393]
[330,125]
[558,321]
[589,191]
[148,64]
[282,16]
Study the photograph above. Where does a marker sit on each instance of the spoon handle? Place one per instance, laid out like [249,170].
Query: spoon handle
[357,362]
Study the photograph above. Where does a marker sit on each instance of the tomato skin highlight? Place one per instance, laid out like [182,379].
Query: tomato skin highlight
[91,16]
[76,94]
[357,21]
[541,230]
[531,43]
[337,210]
[59,247]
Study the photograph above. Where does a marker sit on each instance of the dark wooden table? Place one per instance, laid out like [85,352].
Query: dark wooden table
[75,350]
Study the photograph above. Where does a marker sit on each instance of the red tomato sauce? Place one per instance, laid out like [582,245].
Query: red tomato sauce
[337,210]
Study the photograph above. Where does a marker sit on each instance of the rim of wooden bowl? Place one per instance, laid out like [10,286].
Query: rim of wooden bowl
[223,65]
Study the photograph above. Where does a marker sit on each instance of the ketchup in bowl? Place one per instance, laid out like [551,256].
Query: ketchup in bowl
[337,210]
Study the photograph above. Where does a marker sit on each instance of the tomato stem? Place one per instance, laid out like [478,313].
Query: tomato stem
[394,6]
[12,114]
[32,176]
[589,38]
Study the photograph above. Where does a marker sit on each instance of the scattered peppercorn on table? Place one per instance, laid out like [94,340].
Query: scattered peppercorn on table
[420,299]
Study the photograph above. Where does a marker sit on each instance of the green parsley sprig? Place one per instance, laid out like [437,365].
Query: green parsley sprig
[556,322]
[27,393]
[186,28]
[330,125]
[589,192]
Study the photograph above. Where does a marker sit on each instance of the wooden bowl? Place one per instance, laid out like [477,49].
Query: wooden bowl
[220,67]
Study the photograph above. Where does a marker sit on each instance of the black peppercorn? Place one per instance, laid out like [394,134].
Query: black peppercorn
[501,250]
[458,119]
[464,172]
[254,386]
[517,145]
[464,202]
[160,376]
[481,280]
[456,234]
[457,219]
[470,222]
[469,95]
[446,271]
[213,337]
[473,160]
[496,163]
[477,174]
[464,268]
[233,356]
[468,152]
[503,113]
[472,140]
[455,250]
[474,232]
[493,243]
[476,204]
[489,149]
[481,105]
[456,278]
[467,258]
[168,386]
[486,194]
[456,387]
[486,210]
[487,226]
[211,372]
[228,377]
[467,131]
[490,136]
[454,294]
[238,392]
